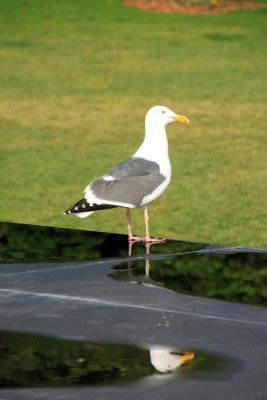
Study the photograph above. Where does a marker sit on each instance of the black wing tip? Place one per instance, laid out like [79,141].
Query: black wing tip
[83,206]
[67,212]
[76,208]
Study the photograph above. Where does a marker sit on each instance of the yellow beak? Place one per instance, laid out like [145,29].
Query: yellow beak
[181,118]
[186,357]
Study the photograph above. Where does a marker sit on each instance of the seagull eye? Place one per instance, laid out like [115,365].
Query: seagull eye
[163,111]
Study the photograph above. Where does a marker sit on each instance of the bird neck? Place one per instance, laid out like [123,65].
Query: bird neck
[155,144]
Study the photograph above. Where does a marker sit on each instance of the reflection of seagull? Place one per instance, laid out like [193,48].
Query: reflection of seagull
[142,279]
[165,359]
[129,276]
[137,181]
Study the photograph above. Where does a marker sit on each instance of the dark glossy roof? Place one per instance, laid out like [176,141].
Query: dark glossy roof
[84,286]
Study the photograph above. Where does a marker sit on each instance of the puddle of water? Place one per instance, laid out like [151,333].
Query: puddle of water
[216,271]
[240,277]
[30,243]
[31,360]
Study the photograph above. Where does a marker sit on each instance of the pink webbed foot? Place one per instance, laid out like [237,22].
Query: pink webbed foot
[146,239]
[154,240]
[136,238]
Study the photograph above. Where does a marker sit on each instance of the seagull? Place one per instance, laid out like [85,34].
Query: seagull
[137,181]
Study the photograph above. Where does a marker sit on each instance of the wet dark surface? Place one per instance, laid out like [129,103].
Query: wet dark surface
[224,272]
[135,314]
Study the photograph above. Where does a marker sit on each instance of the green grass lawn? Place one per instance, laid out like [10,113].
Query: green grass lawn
[76,79]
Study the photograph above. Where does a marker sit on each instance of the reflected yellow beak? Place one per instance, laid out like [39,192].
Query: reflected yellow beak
[181,118]
[186,357]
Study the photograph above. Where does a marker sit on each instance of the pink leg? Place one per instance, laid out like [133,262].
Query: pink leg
[148,239]
[132,238]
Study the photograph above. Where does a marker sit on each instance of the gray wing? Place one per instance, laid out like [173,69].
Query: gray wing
[133,167]
[128,182]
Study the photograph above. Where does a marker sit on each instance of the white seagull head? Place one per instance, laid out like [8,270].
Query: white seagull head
[163,115]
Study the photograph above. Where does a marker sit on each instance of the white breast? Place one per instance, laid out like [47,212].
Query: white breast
[154,195]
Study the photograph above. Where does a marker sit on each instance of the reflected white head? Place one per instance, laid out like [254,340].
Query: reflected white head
[166,359]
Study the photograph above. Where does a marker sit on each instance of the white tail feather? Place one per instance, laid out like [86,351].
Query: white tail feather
[83,214]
